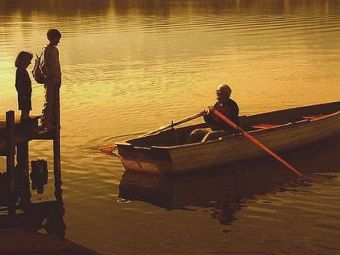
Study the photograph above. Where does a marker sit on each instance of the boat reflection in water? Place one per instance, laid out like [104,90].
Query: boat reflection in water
[226,190]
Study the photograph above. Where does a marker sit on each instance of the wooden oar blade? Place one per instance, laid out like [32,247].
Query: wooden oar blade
[256,142]
[108,149]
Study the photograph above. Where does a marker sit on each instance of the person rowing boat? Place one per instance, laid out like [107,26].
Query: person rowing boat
[225,105]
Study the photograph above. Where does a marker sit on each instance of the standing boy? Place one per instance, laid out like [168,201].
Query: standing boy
[50,66]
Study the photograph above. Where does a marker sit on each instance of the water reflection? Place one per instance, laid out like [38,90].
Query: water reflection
[58,8]
[224,191]
[227,190]
[44,216]
[162,8]
[172,54]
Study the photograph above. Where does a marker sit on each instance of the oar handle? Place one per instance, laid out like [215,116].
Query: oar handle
[173,124]
[110,149]
[256,142]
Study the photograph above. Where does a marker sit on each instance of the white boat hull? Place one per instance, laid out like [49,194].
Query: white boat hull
[176,159]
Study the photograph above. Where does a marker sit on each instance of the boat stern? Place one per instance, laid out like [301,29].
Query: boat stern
[145,159]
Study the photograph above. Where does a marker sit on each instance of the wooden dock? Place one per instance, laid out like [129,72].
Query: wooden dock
[15,136]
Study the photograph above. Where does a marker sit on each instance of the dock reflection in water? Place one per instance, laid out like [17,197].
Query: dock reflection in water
[226,190]
[45,217]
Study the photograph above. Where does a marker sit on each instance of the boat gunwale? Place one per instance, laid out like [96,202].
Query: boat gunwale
[254,132]
[237,136]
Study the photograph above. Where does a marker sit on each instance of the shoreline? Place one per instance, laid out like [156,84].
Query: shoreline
[20,241]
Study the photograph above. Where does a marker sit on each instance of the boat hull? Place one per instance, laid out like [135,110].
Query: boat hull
[189,157]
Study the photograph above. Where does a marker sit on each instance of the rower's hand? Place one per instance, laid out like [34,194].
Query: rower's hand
[207,111]
[213,116]
[210,109]
[204,112]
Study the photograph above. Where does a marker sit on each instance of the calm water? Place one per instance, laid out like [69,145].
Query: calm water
[130,66]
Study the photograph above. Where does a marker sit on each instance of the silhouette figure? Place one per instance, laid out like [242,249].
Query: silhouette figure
[23,83]
[51,69]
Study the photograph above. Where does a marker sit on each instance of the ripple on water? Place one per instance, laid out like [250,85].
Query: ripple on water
[136,70]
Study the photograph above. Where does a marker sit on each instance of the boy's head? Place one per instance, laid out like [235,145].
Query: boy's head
[53,35]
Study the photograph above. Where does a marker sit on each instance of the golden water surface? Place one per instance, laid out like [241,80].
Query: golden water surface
[133,65]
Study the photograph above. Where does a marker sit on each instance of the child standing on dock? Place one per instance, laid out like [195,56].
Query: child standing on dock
[23,83]
[50,66]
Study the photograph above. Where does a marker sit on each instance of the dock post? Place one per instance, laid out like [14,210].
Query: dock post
[10,126]
[56,151]
[23,167]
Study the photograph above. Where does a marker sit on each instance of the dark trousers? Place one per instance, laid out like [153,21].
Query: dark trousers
[49,110]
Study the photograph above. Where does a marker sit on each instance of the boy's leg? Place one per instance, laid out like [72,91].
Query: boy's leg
[25,114]
[48,109]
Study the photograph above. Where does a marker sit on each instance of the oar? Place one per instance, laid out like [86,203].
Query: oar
[109,149]
[256,142]
[173,124]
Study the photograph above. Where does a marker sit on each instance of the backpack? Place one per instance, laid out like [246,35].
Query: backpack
[37,71]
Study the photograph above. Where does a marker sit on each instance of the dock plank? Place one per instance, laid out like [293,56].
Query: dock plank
[24,131]
[34,118]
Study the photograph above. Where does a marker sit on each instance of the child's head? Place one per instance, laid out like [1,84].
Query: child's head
[53,35]
[23,60]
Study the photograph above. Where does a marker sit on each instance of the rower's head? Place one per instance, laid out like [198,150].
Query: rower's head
[223,92]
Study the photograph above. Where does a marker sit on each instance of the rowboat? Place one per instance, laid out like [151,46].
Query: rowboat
[168,152]
[229,187]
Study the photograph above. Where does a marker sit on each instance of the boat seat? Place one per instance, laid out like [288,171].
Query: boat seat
[214,135]
[304,118]
[301,121]
[266,126]
[315,117]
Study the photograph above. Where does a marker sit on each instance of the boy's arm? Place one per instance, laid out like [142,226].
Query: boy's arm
[50,62]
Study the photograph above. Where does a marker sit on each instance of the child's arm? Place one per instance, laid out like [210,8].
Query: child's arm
[19,81]
[22,82]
